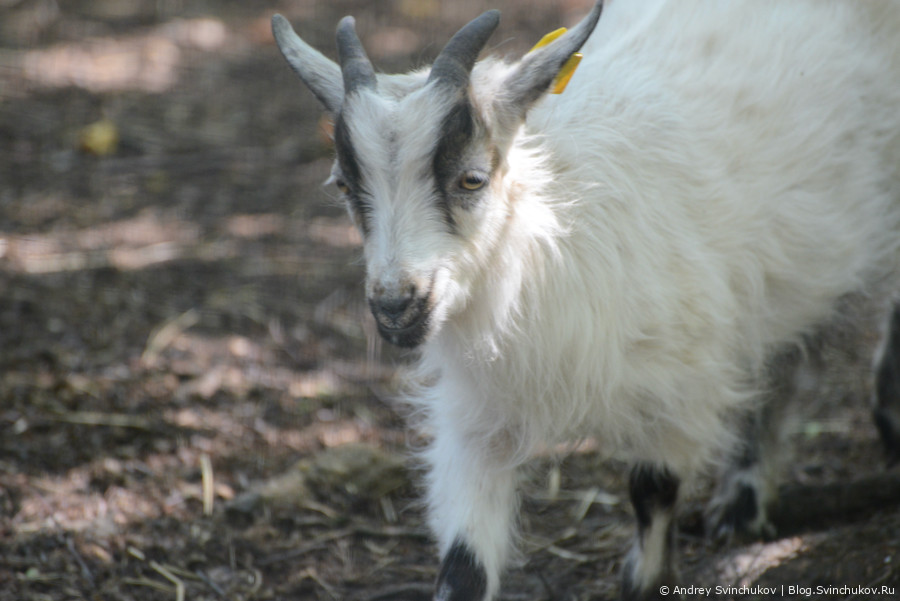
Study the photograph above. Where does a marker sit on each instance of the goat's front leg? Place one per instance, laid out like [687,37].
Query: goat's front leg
[651,562]
[472,502]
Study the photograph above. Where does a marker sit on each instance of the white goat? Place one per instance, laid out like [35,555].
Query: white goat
[635,259]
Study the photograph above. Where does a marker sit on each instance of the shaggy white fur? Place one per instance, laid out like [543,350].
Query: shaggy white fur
[714,178]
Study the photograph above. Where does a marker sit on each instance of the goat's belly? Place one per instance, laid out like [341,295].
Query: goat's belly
[663,418]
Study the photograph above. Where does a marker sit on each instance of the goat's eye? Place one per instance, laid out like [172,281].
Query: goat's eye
[472,180]
[342,186]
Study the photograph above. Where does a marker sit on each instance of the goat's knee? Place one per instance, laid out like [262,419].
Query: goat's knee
[887,389]
[651,561]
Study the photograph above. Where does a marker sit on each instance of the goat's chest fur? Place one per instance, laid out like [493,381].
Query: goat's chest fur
[706,201]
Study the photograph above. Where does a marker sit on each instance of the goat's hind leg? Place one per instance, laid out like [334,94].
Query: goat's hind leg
[651,562]
[886,409]
[747,482]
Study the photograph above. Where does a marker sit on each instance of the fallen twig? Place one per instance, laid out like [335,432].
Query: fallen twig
[208,485]
[323,541]
[568,555]
[165,573]
[319,543]
[96,418]
[314,576]
[85,570]
[212,585]
[166,334]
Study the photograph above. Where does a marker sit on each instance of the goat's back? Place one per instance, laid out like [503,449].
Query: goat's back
[759,141]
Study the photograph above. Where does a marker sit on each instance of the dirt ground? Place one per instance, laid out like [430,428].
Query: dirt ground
[193,404]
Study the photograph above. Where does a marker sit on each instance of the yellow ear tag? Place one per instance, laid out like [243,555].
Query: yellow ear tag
[549,38]
[566,73]
[568,69]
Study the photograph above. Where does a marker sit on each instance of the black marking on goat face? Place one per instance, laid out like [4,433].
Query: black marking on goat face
[351,174]
[455,153]
[462,577]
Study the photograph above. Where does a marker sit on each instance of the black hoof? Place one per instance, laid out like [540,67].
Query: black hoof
[737,514]
[462,577]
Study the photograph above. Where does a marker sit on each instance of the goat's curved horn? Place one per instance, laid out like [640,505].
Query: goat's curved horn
[454,64]
[355,65]
[321,74]
[537,70]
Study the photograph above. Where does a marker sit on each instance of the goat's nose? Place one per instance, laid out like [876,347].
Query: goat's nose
[401,312]
[392,305]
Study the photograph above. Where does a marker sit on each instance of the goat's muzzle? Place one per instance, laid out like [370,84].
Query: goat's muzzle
[402,315]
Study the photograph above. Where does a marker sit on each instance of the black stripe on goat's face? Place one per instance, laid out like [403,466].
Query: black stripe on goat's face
[463,164]
[349,180]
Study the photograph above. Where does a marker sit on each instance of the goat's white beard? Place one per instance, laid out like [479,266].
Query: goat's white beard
[448,298]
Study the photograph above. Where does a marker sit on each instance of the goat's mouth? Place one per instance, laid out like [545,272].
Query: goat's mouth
[408,329]
[409,337]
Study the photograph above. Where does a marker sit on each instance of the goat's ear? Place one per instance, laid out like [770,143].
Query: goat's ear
[322,75]
[535,73]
